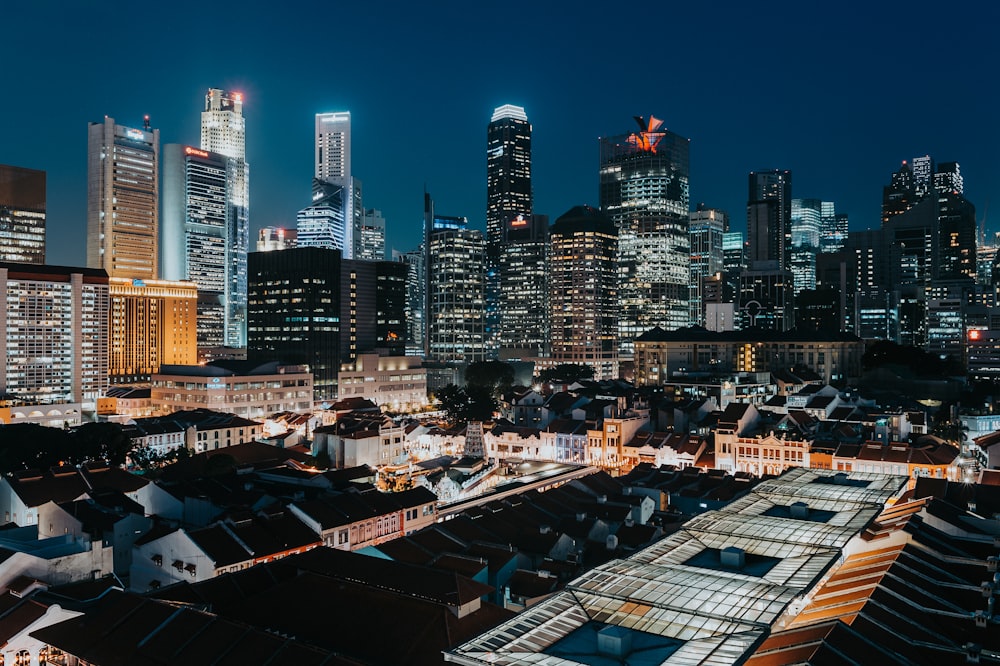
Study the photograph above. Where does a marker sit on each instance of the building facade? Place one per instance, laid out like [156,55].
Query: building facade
[523,288]
[583,291]
[123,195]
[335,217]
[22,215]
[644,190]
[153,322]
[223,131]
[248,390]
[508,173]
[708,227]
[56,326]
[194,242]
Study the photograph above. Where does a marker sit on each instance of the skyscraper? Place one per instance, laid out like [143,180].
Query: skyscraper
[369,245]
[194,239]
[123,199]
[334,219]
[523,289]
[583,291]
[769,217]
[223,131]
[22,215]
[508,173]
[707,228]
[807,227]
[644,191]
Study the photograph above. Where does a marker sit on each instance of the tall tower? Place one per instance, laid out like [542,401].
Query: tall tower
[194,238]
[123,199]
[335,217]
[583,291]
[807,227]
[508,173]
[708,227]
[644,191]
[769,217]
[223,131]
[22,215]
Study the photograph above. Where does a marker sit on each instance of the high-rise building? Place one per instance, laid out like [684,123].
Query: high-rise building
[372,308]
[22,215]
[194,239]
[335,217]
[707,228]
[807,227]
[369,244]
[508,173]
[223,131]
[523,297]
[56,327]
[900,194]
[294,312]
[456,289]
[152,323]
[123,199]
[644,191]
[948,179]
[416,299]
[583,291]
[769,218]
[834,231]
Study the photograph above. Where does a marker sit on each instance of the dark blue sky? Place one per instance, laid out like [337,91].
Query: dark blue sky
[837,92]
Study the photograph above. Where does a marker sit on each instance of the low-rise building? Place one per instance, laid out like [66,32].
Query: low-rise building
[250,390]
[394,383]
[928,457]
[197,430]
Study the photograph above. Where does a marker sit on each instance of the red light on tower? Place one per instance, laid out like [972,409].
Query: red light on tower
[975,334]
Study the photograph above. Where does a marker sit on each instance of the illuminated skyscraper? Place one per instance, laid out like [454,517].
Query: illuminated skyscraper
[334,218]
[369,244]
[508,173]
[123,199]
[708,226]
[22,215]
[523,297]
[583,291]
[644,191]
[223,131]
[807,226]
[194,239]
[769,218]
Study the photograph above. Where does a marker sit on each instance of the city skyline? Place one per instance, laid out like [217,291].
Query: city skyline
[420,102]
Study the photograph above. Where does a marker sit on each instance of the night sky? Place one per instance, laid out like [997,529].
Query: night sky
[837,92]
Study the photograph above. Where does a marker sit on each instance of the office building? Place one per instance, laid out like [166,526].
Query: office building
[948,179]
[372,308]
[369,243]
[769,218]
[523,288]
[416,299]
[833,231]
[644,192]
[508,173]
[708,227]
[223,131]
[194,240]
[583,291]
[153,322]
[456,289]
[334,219]
[56,327]
[247,389]
[808,217]
[123,199]
[22,215]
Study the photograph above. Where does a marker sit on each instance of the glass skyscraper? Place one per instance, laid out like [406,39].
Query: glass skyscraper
[223,131]
[22,215]
[644,191]
[508,173]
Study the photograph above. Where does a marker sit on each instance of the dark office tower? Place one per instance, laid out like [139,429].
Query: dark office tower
[834,232]
[583,291]
[416,301]
[22,215]
[956,256]
[900,194]
[769,218]
[508,173]
[523,330]
[372,304]
[644,192]
[707,228]
[194,234]
[456,289]
[294,312]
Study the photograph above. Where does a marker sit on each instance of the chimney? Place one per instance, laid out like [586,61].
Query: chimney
[733,557]
[799,510]
[614,642]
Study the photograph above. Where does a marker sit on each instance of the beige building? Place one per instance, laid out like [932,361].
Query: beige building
[247,389]
[659,354]
[394,383]
[152,323]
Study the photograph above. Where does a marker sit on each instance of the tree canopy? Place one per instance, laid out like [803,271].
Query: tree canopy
[472,403]
[32,446]
[566,372]
[494,375]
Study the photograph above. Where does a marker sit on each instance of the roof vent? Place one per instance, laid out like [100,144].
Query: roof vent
[972,651]
[733,557]
[615,642]
[799,510]
[840,479]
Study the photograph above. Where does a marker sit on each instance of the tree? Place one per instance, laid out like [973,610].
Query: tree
[495,375]
[101,441]
[454,402]
[566,372]
[472,403]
